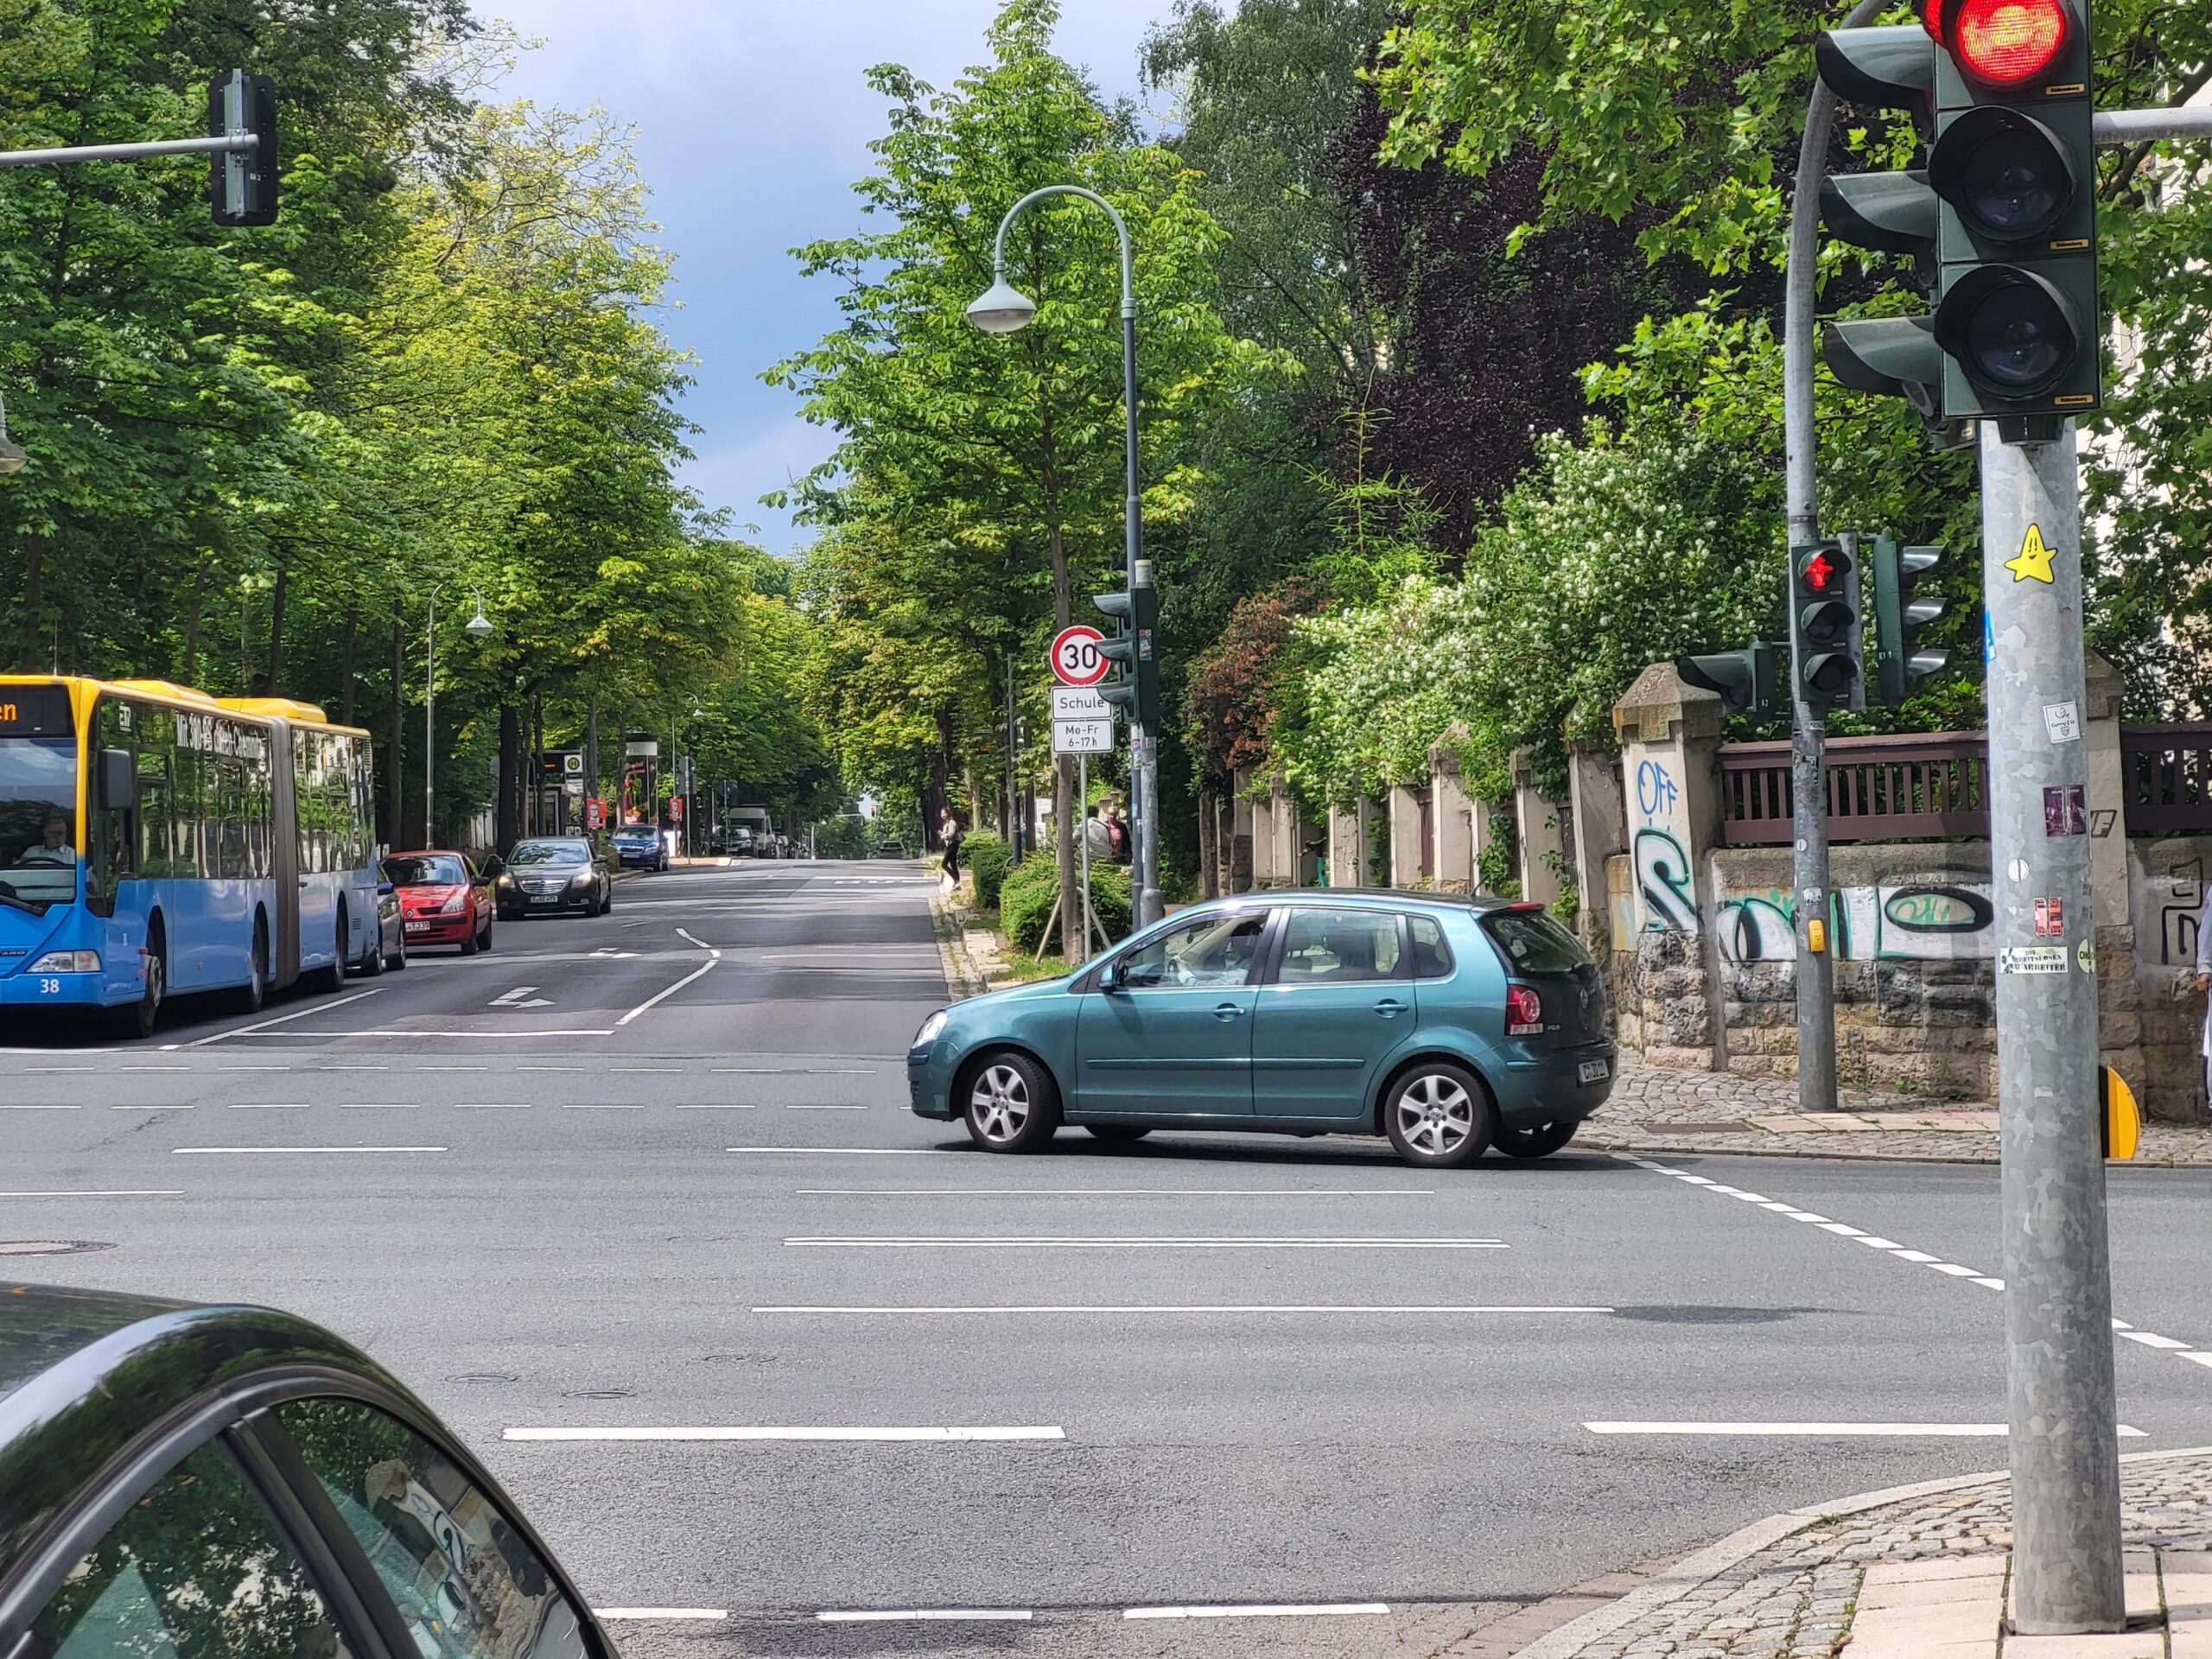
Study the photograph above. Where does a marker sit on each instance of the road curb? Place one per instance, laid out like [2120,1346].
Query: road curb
[1678,1149]
[1672,1582]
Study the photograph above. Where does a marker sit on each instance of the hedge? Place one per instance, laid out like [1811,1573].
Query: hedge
[1026,894]
[990,858]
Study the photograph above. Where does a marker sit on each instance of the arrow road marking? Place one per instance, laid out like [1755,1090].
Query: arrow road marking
[515,999]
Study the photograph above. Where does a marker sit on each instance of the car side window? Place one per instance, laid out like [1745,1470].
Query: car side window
[196,1569]
[1339,947]
[1432,957]
[1214,954]
[467,1583]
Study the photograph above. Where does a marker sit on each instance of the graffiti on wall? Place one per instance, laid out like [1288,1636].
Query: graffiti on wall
[1920,921]
[1666,885]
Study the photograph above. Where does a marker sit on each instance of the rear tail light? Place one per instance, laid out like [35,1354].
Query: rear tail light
[1524,1012]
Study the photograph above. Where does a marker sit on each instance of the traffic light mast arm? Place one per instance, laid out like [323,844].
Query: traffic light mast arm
[227,143]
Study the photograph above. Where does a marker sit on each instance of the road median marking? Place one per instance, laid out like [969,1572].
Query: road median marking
[1350,1308]
[862,1152]
[104,1192]
[661,1612]
[787,1431]
[1266,1610]
[254,1151]
[1828,1431]
[1160,1242]
[890,1615]
[284,1019]
[1114,1192]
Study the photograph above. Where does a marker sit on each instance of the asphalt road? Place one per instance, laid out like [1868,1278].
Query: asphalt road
[654,1171]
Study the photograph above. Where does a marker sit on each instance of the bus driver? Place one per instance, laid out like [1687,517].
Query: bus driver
[53,847]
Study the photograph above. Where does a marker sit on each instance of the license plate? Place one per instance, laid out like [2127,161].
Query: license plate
[544,898]
[1592,1071]
[418,927]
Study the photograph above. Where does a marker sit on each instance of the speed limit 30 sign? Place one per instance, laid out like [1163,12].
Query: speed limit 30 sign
[1076,656]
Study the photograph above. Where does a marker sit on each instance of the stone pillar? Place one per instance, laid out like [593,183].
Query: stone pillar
[1593,778]
[1209,864]
[1240,833]
[1453,857]
[1263,842]
[2121,1000]
[1669,734]
[1402,809]
[1347,850]
[1543,838]
[1300,867]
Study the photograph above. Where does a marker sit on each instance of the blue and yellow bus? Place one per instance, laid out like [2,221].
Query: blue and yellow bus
[156,841]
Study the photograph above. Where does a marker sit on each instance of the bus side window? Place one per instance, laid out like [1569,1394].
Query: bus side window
[156,736]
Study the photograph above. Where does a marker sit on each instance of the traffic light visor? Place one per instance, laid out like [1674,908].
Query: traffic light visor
[2013,333]
[2003,42]
[2008,174]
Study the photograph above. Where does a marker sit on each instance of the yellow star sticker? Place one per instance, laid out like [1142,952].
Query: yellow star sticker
[2034,563]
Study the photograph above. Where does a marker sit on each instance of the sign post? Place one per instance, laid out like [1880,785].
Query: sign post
[1083,725]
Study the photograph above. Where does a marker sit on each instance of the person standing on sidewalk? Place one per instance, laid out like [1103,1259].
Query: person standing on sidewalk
[1116,831]
[948,834]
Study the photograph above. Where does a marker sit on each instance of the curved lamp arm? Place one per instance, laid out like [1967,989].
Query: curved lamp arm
[1121,229]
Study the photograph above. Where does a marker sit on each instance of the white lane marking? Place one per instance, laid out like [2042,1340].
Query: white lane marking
[785,1432]
[516,999]
[1266,1610]
[1827,1430]
[108,1192]
[662,1612]
[491,1105]
[887,1615]
[40,1105]
[864,1152]
[823,1106]
[284,1019]
[700,972]
[1197,1307]
[602,1106]
[256,1151]
[644,1068]
[380,1106]
[2199,1358]
[1919,1258]
[268,1106]
[172,1106]
[415,1035]
[347,1066]
[1113,1191]
[715,1106]
[552,1067]
[1163,1242]
[57,1070]
[681,934]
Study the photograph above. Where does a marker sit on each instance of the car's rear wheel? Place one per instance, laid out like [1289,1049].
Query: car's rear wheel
[1117,1134]
[486,941]
[1438,1115]
[1538,1142]
[399,953]
[371,965]
[1012,1104]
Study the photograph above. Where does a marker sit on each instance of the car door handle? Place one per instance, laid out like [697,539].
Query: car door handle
[1390,1008]
[1229,1011]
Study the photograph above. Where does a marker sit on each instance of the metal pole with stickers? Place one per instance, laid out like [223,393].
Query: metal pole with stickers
[1083,725]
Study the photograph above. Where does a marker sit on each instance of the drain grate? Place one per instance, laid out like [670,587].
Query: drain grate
[50,1246]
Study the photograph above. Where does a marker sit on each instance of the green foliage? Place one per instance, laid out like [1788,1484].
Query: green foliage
[845,836]
[1026,897]
[989,859]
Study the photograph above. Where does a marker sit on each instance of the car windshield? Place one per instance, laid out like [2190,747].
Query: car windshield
[1534,944]
[38,822]
[634,834]
[425,870]
[549,852]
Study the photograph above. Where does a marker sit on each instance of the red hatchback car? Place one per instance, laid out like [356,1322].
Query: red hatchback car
[443,899]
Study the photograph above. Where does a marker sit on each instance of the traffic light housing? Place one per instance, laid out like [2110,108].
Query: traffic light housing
[1824,625]
[1135,688]
[1900,617]
[1747,680]
[242,183]
[2002,219]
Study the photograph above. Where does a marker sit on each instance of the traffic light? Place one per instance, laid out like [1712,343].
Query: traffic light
[1898,619]
[1745,679]
[2014,165]
[2002,219]
[1824,623]
[242,183]
[1136,613]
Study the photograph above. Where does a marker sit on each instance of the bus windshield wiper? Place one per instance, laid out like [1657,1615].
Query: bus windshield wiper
[36,907]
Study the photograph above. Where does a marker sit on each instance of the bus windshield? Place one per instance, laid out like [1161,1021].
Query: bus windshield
[38,817]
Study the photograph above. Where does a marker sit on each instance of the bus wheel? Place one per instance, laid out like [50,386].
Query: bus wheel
[250,996]
[137,1021]
[330,978]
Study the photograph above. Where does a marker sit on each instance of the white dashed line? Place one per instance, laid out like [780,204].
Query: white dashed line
[785,1433]
[888,1615]
[661,1612]
[1352,1308]
[1160,1242]
[113,1192]
[1267,1610]
[1827,1431]
[179,1152]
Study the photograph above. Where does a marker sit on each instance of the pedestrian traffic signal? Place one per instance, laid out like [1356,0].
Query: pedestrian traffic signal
[1135,688]
[1824,624]
[1745,679]
[1900,617]
[242,183]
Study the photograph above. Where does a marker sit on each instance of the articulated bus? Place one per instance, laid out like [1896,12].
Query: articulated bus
[156,841]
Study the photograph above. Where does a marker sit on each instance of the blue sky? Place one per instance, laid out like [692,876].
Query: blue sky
[752,120]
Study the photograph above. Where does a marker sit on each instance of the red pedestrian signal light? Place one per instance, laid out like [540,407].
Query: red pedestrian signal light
[1819,573]
[2001,43]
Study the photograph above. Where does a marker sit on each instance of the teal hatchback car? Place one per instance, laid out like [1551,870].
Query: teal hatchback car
[1450,1024]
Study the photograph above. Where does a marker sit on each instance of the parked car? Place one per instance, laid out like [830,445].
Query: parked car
[641,846]
[545,876]
[388,945]
[1449,1025]
[232,1483]
[443,899]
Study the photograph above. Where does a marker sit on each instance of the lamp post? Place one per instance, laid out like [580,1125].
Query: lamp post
[478,625]
[1004,309]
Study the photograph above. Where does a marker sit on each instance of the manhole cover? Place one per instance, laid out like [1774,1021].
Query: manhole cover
[50,1246]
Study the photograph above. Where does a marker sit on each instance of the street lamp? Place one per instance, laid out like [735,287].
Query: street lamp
[477,627]
[12,459]
[1004,309]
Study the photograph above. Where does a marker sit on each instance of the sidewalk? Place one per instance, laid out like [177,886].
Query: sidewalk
[1914,1573]
[1655,1108]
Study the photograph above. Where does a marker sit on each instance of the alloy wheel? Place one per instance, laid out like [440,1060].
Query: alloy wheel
[1435,1114]
[1000,1101]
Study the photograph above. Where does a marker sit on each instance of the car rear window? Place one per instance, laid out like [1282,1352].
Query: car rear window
[441,871]
[1533,944]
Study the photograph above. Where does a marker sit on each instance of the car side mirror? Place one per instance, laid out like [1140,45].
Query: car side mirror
[118,779]
[493,868]
[1109,977]
[385,889]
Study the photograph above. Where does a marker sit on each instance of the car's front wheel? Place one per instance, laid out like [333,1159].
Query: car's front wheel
[1438,1115]
[1540,1141]
[1011,1105]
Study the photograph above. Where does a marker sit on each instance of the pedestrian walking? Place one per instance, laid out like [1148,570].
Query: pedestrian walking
[1097,836]
[1116,831]
[948,834]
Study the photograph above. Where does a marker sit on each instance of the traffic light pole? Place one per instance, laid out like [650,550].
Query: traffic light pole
[2059,1390]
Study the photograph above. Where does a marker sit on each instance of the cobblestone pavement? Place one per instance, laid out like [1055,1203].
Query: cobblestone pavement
[1656,1108]
[1921,1574]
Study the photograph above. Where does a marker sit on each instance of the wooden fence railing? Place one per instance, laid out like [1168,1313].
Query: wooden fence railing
[2166,776]
[1925,785]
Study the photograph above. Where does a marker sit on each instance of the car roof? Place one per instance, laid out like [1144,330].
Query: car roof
[1398,898]
[426,852]
[85,1375]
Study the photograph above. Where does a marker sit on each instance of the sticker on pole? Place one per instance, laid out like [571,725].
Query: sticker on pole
[1076,659]
[2032,563]
[2031,959]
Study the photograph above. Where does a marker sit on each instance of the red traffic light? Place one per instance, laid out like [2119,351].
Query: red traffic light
[1819,572]
[2001,42]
